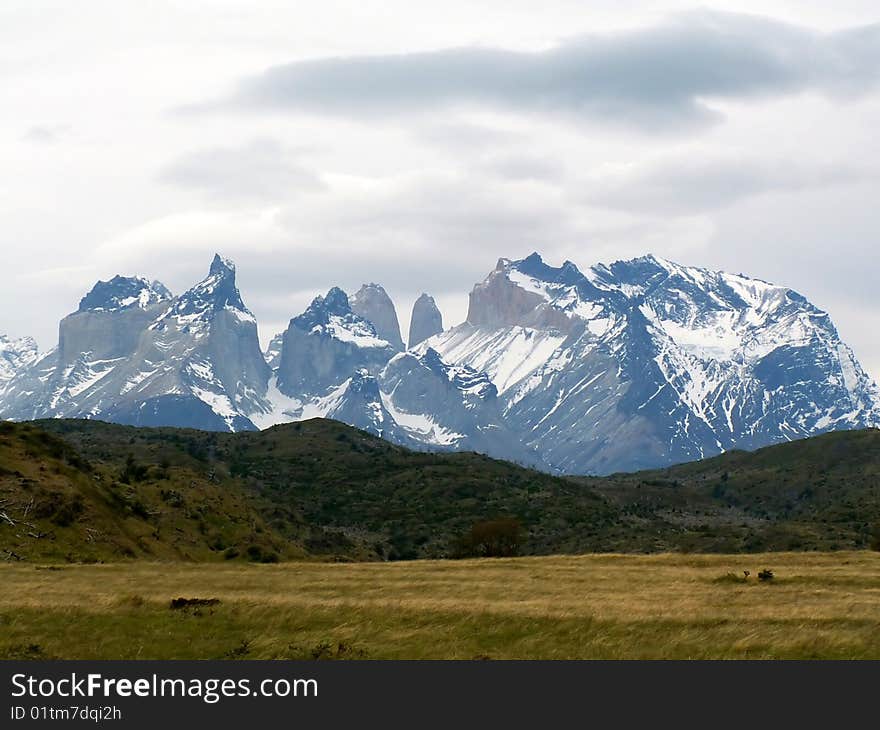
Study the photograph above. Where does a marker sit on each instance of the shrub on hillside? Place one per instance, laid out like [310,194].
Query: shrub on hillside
[499,538]
[132,472]
[875,537]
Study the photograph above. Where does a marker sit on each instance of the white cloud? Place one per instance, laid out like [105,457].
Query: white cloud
[261,169]
[701,180]
[431,186]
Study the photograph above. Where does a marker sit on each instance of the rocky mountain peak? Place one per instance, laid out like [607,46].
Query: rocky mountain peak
[336,301]
[123,292]
[638,363]
[372,303]
[324,308]
[462,377]
[214,293]
[325,344]
[221,266]
[531,293]
[272,354]
[426,320]
[192,361]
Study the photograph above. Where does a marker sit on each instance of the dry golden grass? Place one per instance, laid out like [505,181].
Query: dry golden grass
[593,606]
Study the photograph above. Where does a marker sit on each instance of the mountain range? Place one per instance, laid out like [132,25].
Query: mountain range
[633,365]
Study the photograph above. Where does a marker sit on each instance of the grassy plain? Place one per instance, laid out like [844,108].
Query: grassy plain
[667,606]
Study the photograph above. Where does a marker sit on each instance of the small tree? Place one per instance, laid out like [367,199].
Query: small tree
[875,537]
[133,472]
[494,538]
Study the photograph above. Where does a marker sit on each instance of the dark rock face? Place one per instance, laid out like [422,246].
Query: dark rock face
[426,321]
[326,344]
[175,410]
[123,292]
[372,303]
[272,355]
[454,407]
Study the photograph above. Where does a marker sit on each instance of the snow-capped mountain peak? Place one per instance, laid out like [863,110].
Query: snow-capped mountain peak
[686,360]
[465,379]
[325,344]
[222,266]
[636,363]
[216,292]
[123,292]
[193,360]
[332,316]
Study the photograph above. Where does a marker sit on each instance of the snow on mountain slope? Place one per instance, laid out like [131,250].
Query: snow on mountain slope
[325,345]
[333,364]
[132,354]
[646,362]
[633,364]
[442,406]
[506,354]
[372,303]
[15,355]
[272,355]
[123,292]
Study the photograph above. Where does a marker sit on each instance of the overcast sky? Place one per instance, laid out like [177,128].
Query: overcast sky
[413,143]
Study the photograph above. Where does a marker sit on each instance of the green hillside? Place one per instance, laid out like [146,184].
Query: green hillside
[87,491]
[318,488]
[821,493]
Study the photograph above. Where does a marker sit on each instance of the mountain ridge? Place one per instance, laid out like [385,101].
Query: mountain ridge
[634,364]
[86,491]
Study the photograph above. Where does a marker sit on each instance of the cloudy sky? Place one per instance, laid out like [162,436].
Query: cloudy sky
[413,143]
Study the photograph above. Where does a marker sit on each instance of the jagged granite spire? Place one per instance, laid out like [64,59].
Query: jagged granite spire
[215,292]
[372,303]
[426,320]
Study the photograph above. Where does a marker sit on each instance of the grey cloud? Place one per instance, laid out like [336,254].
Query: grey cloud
[525,167]
[466,136]
[657,78]
[260,170]
[45,133]
[701,182]
[436,220]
